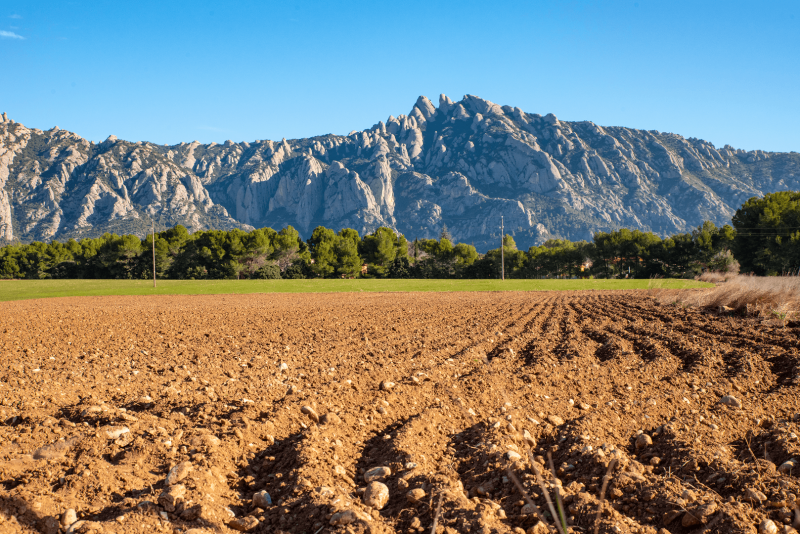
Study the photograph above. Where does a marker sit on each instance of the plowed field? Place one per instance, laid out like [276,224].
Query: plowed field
[166,414]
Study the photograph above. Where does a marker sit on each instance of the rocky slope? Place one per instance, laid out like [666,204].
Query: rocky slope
[463,164]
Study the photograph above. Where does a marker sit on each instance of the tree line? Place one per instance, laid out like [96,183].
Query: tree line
[763,240]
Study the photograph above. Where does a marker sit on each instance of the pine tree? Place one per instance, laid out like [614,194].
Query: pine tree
[445,234]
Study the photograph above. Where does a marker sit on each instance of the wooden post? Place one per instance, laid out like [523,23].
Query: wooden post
[502,250]
[154,254]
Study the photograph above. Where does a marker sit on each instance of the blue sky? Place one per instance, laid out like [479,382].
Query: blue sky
[167,72]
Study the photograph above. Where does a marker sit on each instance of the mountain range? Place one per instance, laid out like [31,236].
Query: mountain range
[461,164]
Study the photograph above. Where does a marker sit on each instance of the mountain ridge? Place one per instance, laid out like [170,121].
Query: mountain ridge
[461,164]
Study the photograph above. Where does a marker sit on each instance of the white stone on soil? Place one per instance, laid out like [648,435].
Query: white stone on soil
[376,495]
[377,473]
[178,473]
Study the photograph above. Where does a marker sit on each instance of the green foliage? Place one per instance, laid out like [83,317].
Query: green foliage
[556,257]
[323,251]
[442,259]
[268,272]
[348,261]
[380,249]
[635,254]
[767,239]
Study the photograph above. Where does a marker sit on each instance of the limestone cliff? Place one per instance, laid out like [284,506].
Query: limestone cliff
[463,164]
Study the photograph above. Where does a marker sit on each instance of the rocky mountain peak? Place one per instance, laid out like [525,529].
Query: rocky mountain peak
[464,165]
[445,104]
[425,107]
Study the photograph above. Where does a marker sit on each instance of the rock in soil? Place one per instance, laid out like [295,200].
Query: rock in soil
[244,524]
[643,441]
[178,473]
[376,495]
[377,473]
[262,499]
[415,496]
[311,413]
[767,526]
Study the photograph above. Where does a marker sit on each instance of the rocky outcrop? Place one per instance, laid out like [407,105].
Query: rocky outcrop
[463,164]
[54,184]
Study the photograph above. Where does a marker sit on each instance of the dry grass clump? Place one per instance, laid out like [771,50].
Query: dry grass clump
[764,296]
[716,277]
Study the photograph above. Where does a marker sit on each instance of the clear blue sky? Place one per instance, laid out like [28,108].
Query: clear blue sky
[171,71]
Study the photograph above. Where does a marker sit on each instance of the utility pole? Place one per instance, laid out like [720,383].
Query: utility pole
[154,253]
[502,250]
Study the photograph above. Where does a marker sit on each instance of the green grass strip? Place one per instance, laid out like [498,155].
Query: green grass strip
[32,289]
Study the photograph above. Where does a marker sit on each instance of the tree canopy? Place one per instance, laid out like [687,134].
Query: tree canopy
[764,239]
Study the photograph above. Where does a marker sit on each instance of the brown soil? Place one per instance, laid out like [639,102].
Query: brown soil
[197,382]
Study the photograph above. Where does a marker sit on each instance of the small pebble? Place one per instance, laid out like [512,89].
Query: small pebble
[178,473]
[415,496]
[730,400]
[68,517]
[343,518]
[311,413]
[768,526]
[330,418]
[643,441]
[690,520]
[262,499]
[528,438]
[376,495]
[788,466]
[753,496]
[116,432]
[170,498]
[555,420]
[377,473]
[244,524]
